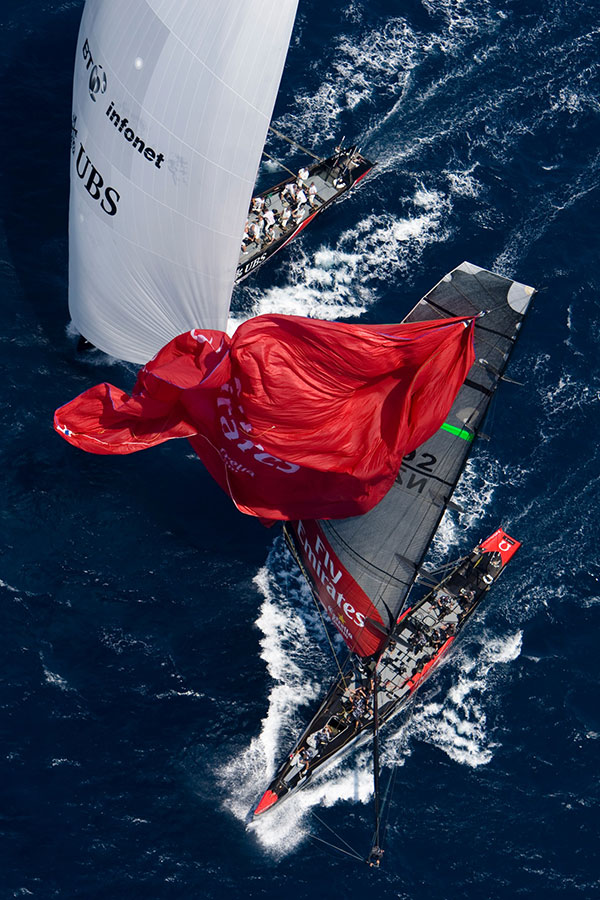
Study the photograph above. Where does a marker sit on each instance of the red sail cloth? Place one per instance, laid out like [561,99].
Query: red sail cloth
[295,418]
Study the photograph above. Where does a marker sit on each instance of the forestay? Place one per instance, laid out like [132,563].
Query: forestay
[172,101]
[363,567]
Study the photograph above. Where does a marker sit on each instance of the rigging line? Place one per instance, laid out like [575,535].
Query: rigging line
[447,312]
[295,144]
[328,844]
[272,158]
[387,805]
[316,602]
[376,837]
[338,836]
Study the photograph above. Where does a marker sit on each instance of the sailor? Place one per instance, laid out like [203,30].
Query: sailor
[301,197]
[305,757]
[302,176]
[289,191]
[258,204]
[437,638]
[312,195]
[339,183]
[269,218]
[246,239]
[443,603]
[320,738]
[285,217]
[375,856]
[255,232]
[449,629]
[360,707]
[418,639]
[465,599]
[298,214]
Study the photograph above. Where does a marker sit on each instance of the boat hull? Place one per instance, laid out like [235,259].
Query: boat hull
[422,637]
[323,174]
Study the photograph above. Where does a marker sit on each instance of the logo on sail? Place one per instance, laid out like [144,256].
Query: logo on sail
[238,431]
[97,82]
[344,601]
[107,196]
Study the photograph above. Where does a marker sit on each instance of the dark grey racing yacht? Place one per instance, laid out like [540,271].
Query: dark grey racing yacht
[364,572]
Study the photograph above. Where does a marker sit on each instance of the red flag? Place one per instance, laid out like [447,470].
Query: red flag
[295,418]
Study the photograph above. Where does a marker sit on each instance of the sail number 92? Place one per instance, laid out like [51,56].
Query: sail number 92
[413,464]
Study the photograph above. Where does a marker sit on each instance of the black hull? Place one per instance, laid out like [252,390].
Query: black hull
[413,652]
[348,166]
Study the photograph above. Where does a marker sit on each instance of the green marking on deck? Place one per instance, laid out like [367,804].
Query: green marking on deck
[459,432]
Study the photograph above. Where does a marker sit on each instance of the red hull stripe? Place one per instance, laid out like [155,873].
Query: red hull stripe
[414,681]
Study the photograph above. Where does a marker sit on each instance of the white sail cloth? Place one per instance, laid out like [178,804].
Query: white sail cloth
[172,101]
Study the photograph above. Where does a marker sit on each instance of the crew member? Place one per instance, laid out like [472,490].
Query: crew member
[269,218]
[301,197]
[312,195]
[298,215]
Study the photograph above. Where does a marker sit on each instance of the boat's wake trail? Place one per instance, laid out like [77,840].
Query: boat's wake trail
[456,723]
[347,279]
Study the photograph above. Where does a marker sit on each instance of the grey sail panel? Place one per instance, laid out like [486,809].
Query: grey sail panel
[383,549]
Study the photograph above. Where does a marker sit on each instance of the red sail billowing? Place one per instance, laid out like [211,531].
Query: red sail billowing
[295,418]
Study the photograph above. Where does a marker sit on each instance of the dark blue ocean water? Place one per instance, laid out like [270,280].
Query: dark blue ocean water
[158,652]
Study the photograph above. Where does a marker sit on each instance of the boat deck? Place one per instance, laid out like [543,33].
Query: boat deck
[332,177]
[325,192]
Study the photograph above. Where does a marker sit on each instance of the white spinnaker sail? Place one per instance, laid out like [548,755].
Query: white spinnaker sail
[171,104]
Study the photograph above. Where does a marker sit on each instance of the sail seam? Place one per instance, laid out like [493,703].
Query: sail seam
[478,387]
[168,131]
[215,76]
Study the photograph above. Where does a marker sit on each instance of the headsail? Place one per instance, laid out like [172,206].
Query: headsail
[172,101]
[362,568]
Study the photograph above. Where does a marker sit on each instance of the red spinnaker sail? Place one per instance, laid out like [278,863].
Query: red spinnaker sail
[295,418]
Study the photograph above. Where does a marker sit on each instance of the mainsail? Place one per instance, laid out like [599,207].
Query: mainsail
[362,568]
[172,101]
